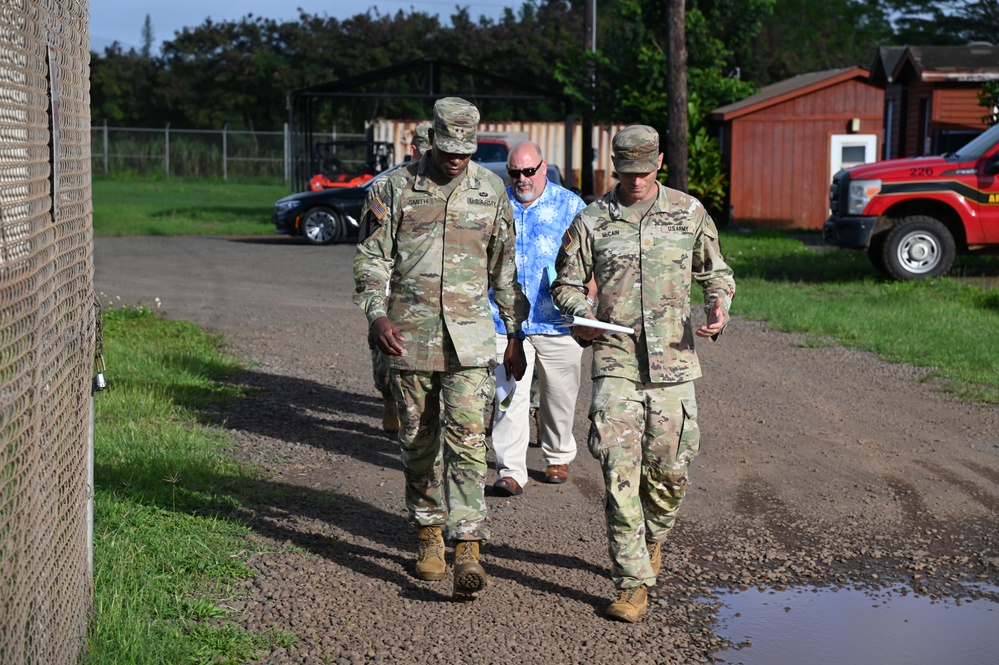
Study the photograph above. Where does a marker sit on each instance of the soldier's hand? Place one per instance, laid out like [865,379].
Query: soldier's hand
[514,360]
[716,321]
[387,336]
[586,332]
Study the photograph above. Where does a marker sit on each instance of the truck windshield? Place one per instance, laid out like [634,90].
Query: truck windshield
[977,146]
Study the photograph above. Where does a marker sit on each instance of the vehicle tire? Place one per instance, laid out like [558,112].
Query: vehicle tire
[322,226]
[918,247]
[876,254]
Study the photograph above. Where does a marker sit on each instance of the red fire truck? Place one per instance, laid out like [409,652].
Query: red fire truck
[913,216]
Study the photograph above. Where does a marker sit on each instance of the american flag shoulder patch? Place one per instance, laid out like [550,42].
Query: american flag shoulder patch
[377,208]
[569,242]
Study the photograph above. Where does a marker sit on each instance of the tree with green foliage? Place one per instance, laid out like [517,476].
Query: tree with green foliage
[943,22]
[988,97]
[632,61]
[230,72]
[240,72]
[148,37]
[522,47]
[804,36]
[123,89]
[982,20]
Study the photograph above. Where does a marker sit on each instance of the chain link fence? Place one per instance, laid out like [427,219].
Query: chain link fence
[201,153]
[47,331]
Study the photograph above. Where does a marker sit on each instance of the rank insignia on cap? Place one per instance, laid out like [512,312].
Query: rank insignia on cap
[377,208]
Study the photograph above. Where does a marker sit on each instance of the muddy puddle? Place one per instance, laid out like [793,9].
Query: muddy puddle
[890,626]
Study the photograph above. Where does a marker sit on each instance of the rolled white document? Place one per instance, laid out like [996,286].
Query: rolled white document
[569,320]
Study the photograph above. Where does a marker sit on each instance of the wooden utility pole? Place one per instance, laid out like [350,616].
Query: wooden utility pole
[676,92]
[586,127]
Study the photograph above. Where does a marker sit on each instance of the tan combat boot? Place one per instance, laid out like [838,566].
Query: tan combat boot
[631,605]
[430,556]
[390,416]
[655,556]
[469,576]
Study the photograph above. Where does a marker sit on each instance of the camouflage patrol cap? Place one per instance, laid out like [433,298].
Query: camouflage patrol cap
[454,126]
[421,137]
[636,149]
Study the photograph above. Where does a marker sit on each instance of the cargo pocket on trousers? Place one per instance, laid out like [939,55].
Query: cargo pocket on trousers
[668,478]
[597,406]
[690,437]
[672,476]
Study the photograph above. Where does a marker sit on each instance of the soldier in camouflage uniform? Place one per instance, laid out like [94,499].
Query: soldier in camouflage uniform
[380,366]
[643,243]
[421,141]
[440,234]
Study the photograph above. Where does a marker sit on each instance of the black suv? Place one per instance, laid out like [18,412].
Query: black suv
[334,215]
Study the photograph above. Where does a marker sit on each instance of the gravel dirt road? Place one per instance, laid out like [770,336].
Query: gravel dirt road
[819,466]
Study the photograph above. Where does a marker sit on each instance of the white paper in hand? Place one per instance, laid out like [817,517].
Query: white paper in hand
[568,320]
[505,387]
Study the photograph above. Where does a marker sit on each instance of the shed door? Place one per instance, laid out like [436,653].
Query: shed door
[850,150]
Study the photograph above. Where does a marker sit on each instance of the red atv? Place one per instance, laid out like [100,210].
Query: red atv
[327,180]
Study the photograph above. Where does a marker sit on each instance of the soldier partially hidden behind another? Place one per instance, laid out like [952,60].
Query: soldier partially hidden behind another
[440,234]
[642,242]
[380,367]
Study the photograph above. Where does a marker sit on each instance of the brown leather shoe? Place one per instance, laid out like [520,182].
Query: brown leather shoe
[557,473]
[507,486]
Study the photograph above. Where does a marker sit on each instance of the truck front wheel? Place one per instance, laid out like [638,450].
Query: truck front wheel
[875,252]
[916,247]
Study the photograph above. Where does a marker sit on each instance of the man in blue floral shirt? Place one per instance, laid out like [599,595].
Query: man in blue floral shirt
[542,211]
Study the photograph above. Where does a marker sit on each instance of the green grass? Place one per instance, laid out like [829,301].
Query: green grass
[945,324]
[177,207]
[166,551]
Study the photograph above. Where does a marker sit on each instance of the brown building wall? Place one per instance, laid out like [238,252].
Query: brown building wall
[779,166]
[957,108]
[952,106]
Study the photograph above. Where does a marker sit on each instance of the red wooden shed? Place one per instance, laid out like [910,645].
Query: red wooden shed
[782,145]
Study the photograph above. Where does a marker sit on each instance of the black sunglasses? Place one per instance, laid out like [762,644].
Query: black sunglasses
[515,173]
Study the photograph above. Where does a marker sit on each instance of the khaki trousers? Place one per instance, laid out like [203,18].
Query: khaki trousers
[556,359]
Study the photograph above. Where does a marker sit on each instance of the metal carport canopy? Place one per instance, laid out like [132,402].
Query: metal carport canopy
[300,116]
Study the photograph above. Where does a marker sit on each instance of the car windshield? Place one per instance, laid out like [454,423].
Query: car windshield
[977,146]
[491,152]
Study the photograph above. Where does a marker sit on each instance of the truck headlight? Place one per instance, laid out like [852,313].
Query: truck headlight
[861,193]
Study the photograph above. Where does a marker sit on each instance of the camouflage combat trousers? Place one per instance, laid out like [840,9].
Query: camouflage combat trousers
[445,471]
[380,372]
[380,368]
[644,437]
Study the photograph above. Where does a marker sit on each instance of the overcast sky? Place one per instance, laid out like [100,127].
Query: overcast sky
[122,20]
